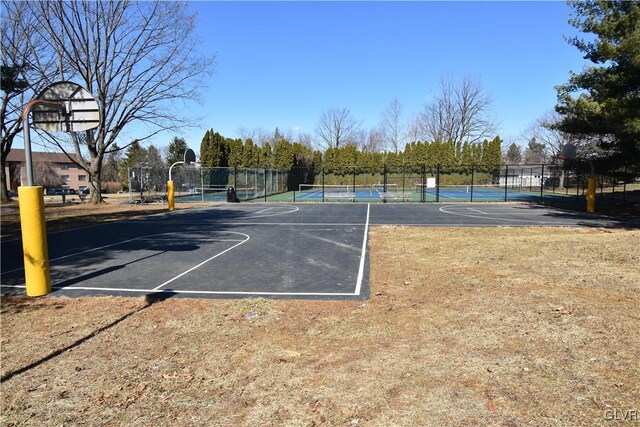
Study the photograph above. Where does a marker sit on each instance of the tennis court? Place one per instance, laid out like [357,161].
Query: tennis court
[416,193]
[232,250]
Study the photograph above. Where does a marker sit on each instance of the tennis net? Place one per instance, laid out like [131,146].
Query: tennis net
[467,188]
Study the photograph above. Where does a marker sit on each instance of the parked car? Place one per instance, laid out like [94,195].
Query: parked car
[55,191]
[83,191]
[12,193]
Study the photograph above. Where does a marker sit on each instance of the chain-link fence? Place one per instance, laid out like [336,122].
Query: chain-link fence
[206,184]
[391,184]
[460,183]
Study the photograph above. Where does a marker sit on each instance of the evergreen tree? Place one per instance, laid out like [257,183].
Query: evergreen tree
[175,150]
[111,167]
[283,155]
[534,153]
[492,154]
[205,150]
[249,156]
[133,157]
[317,161]
[235,153]
[266,156]
[607,106]
[513,156]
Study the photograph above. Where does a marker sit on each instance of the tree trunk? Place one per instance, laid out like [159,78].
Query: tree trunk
[95,194]
[4,195]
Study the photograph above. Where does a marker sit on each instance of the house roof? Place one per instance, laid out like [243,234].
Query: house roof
[17,155]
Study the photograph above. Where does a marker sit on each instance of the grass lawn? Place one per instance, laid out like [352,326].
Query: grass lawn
[465,326]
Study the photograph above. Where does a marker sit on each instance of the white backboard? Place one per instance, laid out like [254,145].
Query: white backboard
[81,109]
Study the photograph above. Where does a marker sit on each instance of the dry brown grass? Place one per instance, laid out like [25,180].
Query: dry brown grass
[487,326]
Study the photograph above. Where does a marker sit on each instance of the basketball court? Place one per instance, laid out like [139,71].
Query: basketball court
[303,251]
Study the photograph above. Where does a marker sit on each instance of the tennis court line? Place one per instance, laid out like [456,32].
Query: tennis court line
[363,255]
[205,261]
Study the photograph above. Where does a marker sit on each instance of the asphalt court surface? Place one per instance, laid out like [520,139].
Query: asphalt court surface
[304,251]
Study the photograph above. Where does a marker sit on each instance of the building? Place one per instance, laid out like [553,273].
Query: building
[52,170]
[523,176]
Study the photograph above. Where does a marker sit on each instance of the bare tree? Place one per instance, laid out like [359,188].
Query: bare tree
[369,140]
[20,57]
[459,113]
[139,59]
[337,127]
[545,132]
[391,126]
[414,130]
[305,139]
[258,135]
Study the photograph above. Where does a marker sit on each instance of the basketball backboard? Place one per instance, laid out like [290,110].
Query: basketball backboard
[568,152]
[81,109]
[189,156]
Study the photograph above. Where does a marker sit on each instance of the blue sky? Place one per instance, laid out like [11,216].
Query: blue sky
[284,63]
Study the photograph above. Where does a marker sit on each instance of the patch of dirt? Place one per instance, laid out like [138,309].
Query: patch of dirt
[473,326]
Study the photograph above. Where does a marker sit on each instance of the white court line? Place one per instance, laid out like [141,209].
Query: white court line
[364,251]
[52,267]
[444,210]
[205,261]
[180,291]
[476,210]
[310,194]
[264,210]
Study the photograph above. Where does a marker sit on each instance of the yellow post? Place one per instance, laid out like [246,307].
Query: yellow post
[172,205]
[591,194]
[34,241]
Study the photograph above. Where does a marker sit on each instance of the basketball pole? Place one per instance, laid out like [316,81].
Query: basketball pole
[170,192]
[591,190]
[32,218]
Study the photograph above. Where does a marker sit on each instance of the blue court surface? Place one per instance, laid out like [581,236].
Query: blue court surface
[278,250]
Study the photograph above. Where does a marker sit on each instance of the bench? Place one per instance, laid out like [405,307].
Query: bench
[340,196]
[146,200]
[396,196]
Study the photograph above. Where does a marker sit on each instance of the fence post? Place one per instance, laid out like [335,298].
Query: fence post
[129,179]
[624,185]
[423,197]
[506,181]
[438,183]
[473,171]
[403,174]
[541,184]
[322,185]
[531,177]
[613,185]
[384,178]
[354,183]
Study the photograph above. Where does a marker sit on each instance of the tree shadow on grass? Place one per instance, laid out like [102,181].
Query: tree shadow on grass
[148,301]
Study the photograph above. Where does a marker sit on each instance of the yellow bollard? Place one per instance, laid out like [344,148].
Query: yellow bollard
[591,194]
[172,205]
[34,241]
